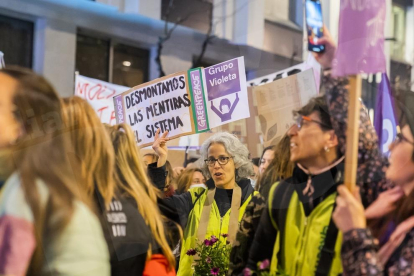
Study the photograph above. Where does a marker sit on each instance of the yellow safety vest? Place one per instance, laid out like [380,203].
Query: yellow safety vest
[304,238]
[217,225]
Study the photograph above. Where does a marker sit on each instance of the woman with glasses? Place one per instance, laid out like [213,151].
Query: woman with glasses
[393,211]
[218,209]
[296,232]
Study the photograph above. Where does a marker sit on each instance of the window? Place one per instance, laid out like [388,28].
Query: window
[92,57]
[111,61]
[197,12]
[16,41]
[130,65]
[284,11]
[398,22]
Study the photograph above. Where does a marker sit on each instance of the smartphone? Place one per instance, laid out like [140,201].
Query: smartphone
[314,25]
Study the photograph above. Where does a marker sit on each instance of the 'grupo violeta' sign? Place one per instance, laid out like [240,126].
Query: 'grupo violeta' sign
[185,103]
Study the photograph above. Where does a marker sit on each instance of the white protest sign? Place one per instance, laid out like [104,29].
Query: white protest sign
[99,95]
[163,103]
[185,103]
[277,100]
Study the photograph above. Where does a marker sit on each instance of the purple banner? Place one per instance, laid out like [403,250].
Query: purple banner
[222,79]
[361,38]
[198,100]
[119,109]
[385,121]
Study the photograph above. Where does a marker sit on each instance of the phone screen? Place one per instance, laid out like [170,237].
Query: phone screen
[314,25]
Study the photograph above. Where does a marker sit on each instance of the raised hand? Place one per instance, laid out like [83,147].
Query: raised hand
[326,58]
[160,147]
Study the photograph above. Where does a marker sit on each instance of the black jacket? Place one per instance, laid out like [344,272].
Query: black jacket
[126,233]
[178,207]
[324,184]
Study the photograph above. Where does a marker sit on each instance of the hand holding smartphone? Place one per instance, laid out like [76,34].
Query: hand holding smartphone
[314,25]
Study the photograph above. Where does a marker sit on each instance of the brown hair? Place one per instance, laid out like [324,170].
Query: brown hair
[41,153]
[93,148]
[280,168]
[134,182]
[185,180]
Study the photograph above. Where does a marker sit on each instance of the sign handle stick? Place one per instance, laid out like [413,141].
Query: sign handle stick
[352,133]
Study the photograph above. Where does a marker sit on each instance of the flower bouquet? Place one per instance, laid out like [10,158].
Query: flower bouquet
[212,256]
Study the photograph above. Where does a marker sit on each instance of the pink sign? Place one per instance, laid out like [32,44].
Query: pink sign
[361,38]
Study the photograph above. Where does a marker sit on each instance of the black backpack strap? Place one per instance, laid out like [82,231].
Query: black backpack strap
[327,253]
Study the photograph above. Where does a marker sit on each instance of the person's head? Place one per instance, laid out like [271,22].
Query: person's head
[279,168]
[226,160]
[132,179]
[267,157]
[31,129]
[225,106]
[92,147]
[312,139]
[188,178]
[150,158]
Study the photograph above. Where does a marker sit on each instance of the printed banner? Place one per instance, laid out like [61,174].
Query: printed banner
[185,103]
[99,95]
[361,38]
[277,100]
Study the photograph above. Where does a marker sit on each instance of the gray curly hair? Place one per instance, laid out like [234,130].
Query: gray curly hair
[240,153]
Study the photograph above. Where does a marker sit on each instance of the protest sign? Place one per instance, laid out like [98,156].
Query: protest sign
[361,36]
[226,89]
[99,95]
[185,103]
[277,100]
[162,104]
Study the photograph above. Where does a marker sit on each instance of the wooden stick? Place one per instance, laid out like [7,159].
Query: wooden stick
[352,133]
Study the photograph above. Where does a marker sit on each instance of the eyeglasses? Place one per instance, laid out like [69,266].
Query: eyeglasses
[222,160]
[299,122]
[401,138]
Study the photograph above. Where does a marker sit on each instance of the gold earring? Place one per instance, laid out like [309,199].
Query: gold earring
[327,149]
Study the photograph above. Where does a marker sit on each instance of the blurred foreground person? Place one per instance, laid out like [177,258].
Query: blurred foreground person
[296,232]
[46,226]
[361,255]
[150,234]
[128,237]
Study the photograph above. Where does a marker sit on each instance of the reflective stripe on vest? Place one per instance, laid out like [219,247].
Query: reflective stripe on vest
[216,226]
[304,238]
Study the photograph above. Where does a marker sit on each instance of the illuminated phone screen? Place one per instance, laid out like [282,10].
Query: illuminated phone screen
[314,25]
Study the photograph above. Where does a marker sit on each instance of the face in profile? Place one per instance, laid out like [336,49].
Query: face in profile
[9,125]
[308,142]
[401,168]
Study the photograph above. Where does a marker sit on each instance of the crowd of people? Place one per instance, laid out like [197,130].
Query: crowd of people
[78,198]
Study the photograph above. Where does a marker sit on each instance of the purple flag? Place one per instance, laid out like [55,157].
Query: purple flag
[385,121]
[361,38]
